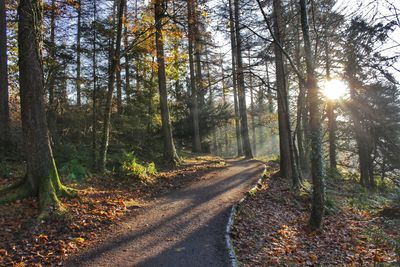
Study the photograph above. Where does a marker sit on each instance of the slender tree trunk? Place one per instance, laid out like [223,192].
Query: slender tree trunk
[170,154]
[301,123]
[318,197]
[234,79]
[127,59]
[4,106]
[288,167]
[53,68]
[78,56]
[94,93]
[211,101]
[111,80]
[118,66]
[52,52]
[362,137]
[196,146]
[270,107]
[330,111]
[252,109]
[41,178]
[224,94]
[197,57]
[119,86]
[241,88]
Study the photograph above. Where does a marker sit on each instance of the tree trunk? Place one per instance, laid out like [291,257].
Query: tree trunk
[127,67]
[197,57]
[234,80]
[119,86]
[4,106]
[252,109]
[224,94]
[318,197]
[170,154]
[288,167]
[78,56]
[94,94]
[330,111]
[301,120]
[41,178]
[111,80]
[241,88]
[362,137]
[53,68]
[196,146]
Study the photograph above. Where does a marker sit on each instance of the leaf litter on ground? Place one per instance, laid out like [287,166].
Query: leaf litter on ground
[271,228]
[103,202]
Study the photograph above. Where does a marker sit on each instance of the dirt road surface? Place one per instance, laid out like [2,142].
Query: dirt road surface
[183,228]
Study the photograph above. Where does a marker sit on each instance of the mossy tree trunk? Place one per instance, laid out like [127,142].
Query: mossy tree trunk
[41,178]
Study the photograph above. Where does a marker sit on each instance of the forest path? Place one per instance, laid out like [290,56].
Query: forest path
[183,228]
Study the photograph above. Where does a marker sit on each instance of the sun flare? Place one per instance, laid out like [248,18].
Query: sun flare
[334,89]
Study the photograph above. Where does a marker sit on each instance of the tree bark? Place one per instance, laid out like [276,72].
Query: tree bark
[364,147]
[170,154]
[241,87]
[196,146]
[111,80]
[234,80]
[127,58]
[330,110]
[301,120]
[53,68]
[252,109]
[4,106]
[288,167]
[318,197]
[78,56]
[41,178]
[94,93]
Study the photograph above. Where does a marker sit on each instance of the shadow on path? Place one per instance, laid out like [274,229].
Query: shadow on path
[184,228]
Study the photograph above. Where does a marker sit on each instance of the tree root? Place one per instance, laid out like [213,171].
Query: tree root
[50,190]
[17,191]
[9,188]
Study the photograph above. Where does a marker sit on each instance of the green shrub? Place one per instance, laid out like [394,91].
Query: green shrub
[132,167]
[331,206]
[74,170]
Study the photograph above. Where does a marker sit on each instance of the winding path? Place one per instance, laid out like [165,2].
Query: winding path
[184,228]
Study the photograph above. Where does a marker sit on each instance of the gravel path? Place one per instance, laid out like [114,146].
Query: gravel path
[184,228]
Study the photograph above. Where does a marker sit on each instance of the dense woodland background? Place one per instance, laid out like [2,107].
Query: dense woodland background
[127,87]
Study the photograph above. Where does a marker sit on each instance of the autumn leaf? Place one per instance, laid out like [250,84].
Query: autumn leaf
[79,240]
[43,238]
[313,257]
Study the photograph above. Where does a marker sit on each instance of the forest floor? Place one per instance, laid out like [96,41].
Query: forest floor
[119,221]
[361,228]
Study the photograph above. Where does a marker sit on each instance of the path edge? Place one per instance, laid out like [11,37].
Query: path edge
[233,260]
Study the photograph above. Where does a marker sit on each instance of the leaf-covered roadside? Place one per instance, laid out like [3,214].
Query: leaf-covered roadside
[271,228]
[102,203]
